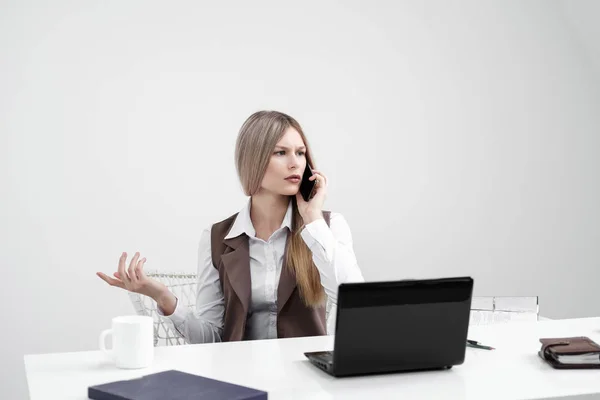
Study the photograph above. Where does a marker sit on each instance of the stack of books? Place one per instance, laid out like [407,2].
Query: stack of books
[487,310]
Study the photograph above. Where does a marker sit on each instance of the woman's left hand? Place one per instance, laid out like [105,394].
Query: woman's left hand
[311,210]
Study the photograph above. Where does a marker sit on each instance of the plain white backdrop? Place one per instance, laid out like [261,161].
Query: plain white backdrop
[459,138]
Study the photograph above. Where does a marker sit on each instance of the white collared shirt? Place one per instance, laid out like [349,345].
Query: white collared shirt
[333,256]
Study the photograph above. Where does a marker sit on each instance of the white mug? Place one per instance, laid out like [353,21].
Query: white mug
[132,341]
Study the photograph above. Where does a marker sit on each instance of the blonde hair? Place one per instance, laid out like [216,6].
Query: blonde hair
[255,143]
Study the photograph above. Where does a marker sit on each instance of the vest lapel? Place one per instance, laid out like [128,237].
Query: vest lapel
[236,262]
[287,280]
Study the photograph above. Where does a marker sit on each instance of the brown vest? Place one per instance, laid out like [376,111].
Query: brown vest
[231,258]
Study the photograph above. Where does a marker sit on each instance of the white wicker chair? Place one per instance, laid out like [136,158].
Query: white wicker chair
[182,285]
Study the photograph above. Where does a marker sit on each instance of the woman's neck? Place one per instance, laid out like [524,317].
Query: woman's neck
[267,211]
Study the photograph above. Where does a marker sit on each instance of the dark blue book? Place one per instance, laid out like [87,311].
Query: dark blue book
[174,385]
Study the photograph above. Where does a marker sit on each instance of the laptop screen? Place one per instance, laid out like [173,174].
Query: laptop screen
[388,326]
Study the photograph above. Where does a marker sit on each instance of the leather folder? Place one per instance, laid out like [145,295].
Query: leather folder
[553,348]
[173,385]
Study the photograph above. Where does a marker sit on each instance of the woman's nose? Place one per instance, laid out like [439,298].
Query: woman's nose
[295,162]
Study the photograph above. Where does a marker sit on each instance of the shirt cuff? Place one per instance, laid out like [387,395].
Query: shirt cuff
[178,316]
[316,232]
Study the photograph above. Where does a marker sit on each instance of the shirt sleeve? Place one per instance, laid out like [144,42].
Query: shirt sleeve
[205,323]
[333,254]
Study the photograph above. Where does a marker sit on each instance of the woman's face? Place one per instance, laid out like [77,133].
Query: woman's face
[286,165]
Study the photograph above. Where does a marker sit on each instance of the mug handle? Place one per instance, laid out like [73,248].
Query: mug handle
[103,335]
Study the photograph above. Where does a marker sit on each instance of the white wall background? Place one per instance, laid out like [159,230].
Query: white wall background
[459,138]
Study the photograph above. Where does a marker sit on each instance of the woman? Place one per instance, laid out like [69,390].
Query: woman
[267,271]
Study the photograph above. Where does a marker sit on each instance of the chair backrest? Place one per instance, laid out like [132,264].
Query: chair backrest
[487,310]
[183,286]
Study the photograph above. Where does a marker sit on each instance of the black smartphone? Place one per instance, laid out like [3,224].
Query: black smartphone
[306,186]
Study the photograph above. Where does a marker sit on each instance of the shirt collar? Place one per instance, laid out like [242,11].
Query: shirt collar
[243,222]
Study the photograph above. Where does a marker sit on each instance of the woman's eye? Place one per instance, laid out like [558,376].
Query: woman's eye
[301,153]
[280,153]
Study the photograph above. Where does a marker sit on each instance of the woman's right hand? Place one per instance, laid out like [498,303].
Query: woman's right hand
[134,279]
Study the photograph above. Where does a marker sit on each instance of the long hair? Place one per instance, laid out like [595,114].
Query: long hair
[256,141]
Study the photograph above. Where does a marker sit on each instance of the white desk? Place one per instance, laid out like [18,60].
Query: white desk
[513,371]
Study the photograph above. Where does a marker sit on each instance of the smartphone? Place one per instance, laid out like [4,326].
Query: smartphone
[306,186]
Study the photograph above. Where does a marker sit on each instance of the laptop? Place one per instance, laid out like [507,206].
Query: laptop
[408,325]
